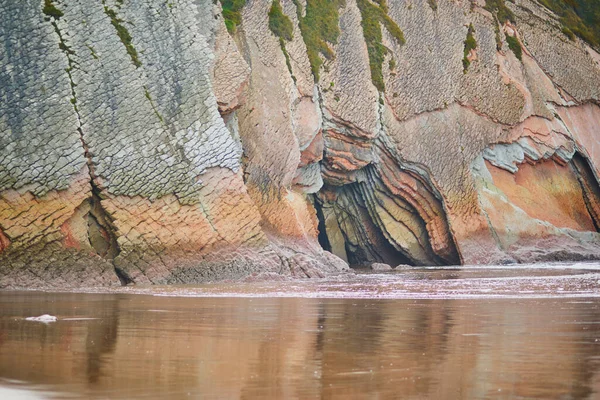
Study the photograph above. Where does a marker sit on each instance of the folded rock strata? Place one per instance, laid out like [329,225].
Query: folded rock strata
[143,142]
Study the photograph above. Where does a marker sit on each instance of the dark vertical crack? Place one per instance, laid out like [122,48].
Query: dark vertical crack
[124,278]
[53,14]
[322,236]
[589,187]
[101,230]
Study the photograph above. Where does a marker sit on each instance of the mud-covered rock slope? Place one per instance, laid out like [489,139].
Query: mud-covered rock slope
[184,141]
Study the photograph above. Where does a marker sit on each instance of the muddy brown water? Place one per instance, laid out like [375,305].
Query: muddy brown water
[471,333]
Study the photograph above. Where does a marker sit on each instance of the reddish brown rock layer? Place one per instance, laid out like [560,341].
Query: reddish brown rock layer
[45,239]
[222,237]
[313,152]
[4,242]
[547,191]
[583,123]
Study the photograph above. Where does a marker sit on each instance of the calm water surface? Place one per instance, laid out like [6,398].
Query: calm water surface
[473,333]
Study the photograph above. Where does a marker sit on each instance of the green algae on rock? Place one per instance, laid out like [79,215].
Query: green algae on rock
[319,25]
[281,26]
[373,16]
[578,17]
[499,8]
[470,44]
[232,13]
[515,46]
[124,35]
[279,23]
[51,10]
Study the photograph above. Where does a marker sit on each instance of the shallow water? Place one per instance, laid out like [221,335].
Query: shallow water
[470,333]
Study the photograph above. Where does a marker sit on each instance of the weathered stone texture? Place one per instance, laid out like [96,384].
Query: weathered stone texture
[539,194]
[169,204]
[350,101]
[142,139]
[44,180]
[429,72]
[162,113]
[230,72]
[582,123]
[50,230]
[39,144]
[296,49]
[266,116]
[428,69]
[568,64]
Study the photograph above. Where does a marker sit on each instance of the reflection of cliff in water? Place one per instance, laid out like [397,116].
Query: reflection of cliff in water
[101,340]
[303,348]
[77,348]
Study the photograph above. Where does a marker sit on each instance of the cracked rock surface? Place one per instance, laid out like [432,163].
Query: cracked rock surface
[142,142]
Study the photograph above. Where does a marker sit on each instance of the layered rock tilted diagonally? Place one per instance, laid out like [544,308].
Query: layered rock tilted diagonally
[152,141]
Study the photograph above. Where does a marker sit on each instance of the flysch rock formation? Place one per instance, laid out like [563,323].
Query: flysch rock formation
[155,142]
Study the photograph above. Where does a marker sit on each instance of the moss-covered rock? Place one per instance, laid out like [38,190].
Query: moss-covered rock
[470,44]
[578,17]
[320,28]
[515,46]
[373,16]
[232,13]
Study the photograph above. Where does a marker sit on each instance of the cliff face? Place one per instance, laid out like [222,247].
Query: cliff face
[154,141]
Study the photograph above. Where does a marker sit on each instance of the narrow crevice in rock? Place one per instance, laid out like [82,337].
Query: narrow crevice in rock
[589,187]
[124,278]
[53,14]
[491,227]
[322,237]
[101,232]
[4,241]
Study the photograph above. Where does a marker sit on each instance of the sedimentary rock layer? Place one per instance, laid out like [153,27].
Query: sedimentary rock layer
[144,141]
